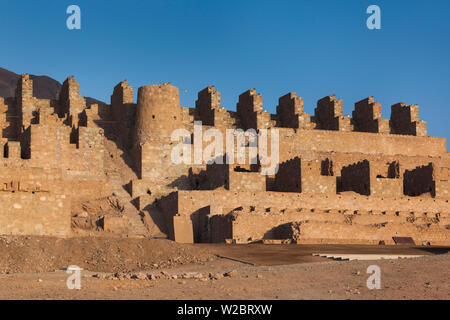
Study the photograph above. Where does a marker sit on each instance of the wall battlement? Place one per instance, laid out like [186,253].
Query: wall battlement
[328,114]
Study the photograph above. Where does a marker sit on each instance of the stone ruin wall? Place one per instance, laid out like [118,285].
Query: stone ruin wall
[341,179]
[327,155]
[48,160]
[252,216]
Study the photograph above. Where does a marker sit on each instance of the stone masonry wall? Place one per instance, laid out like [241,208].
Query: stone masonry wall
[324,219]
[351,179]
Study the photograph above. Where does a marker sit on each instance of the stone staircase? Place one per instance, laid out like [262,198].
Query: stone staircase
[137,227]
[119,175]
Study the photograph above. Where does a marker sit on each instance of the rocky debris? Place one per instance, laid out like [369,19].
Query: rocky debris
[231,273]
[91,215]
[139,276]
[188,275]
[216,276]
[422,278]
[83,214]
[99,254]
[194,275]
[166,275]
[349,290]
[151,277]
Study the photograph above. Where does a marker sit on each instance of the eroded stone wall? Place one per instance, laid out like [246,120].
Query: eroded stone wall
[358,179]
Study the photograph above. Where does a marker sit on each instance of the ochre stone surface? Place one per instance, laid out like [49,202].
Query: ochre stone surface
[341,179]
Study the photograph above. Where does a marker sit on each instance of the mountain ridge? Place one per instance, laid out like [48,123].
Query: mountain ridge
[44,87]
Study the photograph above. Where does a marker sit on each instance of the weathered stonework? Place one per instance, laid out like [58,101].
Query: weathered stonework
[48,161]
[341,179]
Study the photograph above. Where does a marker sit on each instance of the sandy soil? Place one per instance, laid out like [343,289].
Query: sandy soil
[109,254]
[279,272]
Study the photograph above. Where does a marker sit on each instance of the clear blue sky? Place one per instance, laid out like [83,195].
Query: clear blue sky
[314,48]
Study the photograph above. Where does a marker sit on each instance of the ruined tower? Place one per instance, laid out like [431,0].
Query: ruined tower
[158,111]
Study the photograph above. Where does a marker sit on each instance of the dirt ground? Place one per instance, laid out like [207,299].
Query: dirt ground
[33,268]
[108,254]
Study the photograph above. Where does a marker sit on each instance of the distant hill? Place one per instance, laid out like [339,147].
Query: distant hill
[43,87]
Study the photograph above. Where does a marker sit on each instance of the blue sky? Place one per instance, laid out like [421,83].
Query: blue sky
[314,48]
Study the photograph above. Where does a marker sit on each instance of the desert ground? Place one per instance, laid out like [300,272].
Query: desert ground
[127,268]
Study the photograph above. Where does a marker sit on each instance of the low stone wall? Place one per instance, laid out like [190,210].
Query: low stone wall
[39,213]
[324,218]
